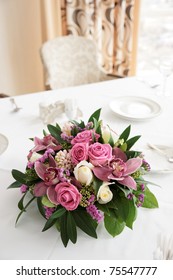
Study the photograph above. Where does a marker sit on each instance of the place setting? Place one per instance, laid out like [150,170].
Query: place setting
[3,143]
[135,108]
[164,248]
[160,158]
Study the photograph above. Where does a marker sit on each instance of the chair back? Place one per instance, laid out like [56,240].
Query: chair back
[70,61]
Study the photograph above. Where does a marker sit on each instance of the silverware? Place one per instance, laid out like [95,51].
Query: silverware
[16,108]
[162,152]
[153,86]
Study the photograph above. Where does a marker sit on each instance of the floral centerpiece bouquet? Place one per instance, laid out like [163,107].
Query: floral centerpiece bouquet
[80,175]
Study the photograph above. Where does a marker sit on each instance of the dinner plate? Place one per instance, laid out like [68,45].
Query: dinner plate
[3,143]
[135,108]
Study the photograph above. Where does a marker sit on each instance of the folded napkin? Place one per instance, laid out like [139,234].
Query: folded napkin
[150,78]
[159,162]
[49,112]
[164,249]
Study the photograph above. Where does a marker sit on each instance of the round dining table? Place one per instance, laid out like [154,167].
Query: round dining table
[123,102]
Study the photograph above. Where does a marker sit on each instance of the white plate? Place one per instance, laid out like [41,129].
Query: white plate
[135,108]
[3,143]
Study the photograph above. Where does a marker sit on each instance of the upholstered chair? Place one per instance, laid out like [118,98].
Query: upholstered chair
[70,61]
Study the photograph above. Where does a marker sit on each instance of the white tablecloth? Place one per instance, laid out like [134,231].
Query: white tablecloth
[26,241]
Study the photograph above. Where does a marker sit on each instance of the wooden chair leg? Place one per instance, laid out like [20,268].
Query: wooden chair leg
[3,95]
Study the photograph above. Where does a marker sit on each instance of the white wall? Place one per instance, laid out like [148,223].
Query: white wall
[21,70]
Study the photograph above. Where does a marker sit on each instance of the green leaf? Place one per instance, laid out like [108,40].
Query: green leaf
[113,225]
[122,207]
[96,184]
[63,228]
[131,217]
[20,204]
[57,126]
[53,218]
[113,202]
[132,154]
[150,200]
[111,141]
[71,227]
[57,224]
[97,127]
[49,224]
[24,209]
[19,176]
[85,222]
[141,180]
[122,204]
[125,134]
[46,202]
[124,147]
[81,124]
[58,213]
[104,208]
[95,115]
[15,184]
[55,132]
[40,206]
[125,191]
[132,141]
[44,133]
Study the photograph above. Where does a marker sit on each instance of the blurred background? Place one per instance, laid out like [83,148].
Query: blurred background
[147,31]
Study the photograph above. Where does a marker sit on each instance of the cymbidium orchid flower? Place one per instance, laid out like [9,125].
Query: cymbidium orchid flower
[119,169]
[49,176]
[47,142]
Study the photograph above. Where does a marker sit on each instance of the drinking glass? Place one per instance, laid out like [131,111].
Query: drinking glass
[166,69]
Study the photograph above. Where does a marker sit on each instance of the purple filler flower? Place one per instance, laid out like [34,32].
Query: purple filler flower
[142,187]
[49,211]
[141,197]
[23,188]
[94,213]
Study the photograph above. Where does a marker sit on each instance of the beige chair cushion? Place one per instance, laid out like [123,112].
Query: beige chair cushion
[70,61]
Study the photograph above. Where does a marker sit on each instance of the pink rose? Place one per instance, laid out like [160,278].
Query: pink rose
[99,153]
[79,152]
[85,137]
[67,195]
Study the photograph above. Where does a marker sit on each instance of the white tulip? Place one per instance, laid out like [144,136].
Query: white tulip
[35,156]
[107,133]
[104,194]
[83,172]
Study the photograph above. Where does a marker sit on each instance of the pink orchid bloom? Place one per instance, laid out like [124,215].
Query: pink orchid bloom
[47,142]
[119,169]
[50,177]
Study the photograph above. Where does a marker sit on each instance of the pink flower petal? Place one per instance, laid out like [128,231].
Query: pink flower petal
[132,165]
[102,173]
[40,189]
[129,182]
[112,177]
[118,153]
[52,195]
[52,162]
[40,169]
[37,141]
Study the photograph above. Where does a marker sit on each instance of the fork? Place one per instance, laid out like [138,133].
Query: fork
[154,147]
[16,108]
